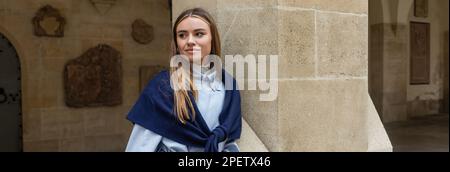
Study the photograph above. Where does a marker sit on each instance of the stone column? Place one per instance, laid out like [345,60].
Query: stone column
[388,76]
[323,102]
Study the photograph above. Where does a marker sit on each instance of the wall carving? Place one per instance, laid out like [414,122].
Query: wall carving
[94,79]
[48,22]
[103,6]
[142,32]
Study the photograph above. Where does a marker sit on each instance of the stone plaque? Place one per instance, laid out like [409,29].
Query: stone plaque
[142,32]
[421,8]
[420,53]
[147,73]
[48,22]
[94,78]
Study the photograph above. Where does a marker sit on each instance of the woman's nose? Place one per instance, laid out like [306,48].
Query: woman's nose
[191,40]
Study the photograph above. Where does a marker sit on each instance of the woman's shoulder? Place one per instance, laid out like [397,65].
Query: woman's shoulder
[162,75]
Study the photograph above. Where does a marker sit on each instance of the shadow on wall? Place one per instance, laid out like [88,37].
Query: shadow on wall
[375,56]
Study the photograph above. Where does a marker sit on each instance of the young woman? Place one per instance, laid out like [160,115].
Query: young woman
[205,116]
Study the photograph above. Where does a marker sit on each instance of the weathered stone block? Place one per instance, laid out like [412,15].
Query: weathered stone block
[347,6]
[249,141]
[58,124]
[41,146]
[378,140]
[241,32]
[107,143]
[342,42]
[262,117]
[296,43]
[329,115]
[245,4]
[31,125]
[75,144]
[100,122]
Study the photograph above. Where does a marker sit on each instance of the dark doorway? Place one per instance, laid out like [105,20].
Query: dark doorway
[10,98]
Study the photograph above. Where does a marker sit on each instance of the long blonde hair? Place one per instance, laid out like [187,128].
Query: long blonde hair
[182,101]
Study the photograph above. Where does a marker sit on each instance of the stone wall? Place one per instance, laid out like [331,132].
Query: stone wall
[322,105]
[323,98]
[48,124]
[425,99]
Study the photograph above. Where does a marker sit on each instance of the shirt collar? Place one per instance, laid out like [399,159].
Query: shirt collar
[205,75]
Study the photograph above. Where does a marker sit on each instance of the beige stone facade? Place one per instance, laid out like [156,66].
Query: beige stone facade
[48,124]
[325,71]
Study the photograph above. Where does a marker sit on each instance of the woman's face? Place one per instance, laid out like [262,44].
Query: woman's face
[193,36]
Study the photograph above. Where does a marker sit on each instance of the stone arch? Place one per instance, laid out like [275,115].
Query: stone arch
[404,15]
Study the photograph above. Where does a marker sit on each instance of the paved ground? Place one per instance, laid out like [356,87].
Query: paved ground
[424,134]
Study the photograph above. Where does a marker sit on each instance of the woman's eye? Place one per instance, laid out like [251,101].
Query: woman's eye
[181,35]
[200,34]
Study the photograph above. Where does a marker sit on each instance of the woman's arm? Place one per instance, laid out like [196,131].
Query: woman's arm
[143,140]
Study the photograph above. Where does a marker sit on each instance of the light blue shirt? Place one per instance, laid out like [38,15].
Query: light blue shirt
[211,94]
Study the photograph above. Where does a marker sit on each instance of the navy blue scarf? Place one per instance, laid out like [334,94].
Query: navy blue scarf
[154,111]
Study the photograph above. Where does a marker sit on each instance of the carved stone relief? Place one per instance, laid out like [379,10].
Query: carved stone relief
[142,32]
[48,22]
[94,78]
[103,6]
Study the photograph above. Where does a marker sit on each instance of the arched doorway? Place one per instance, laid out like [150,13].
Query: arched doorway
[10,98]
